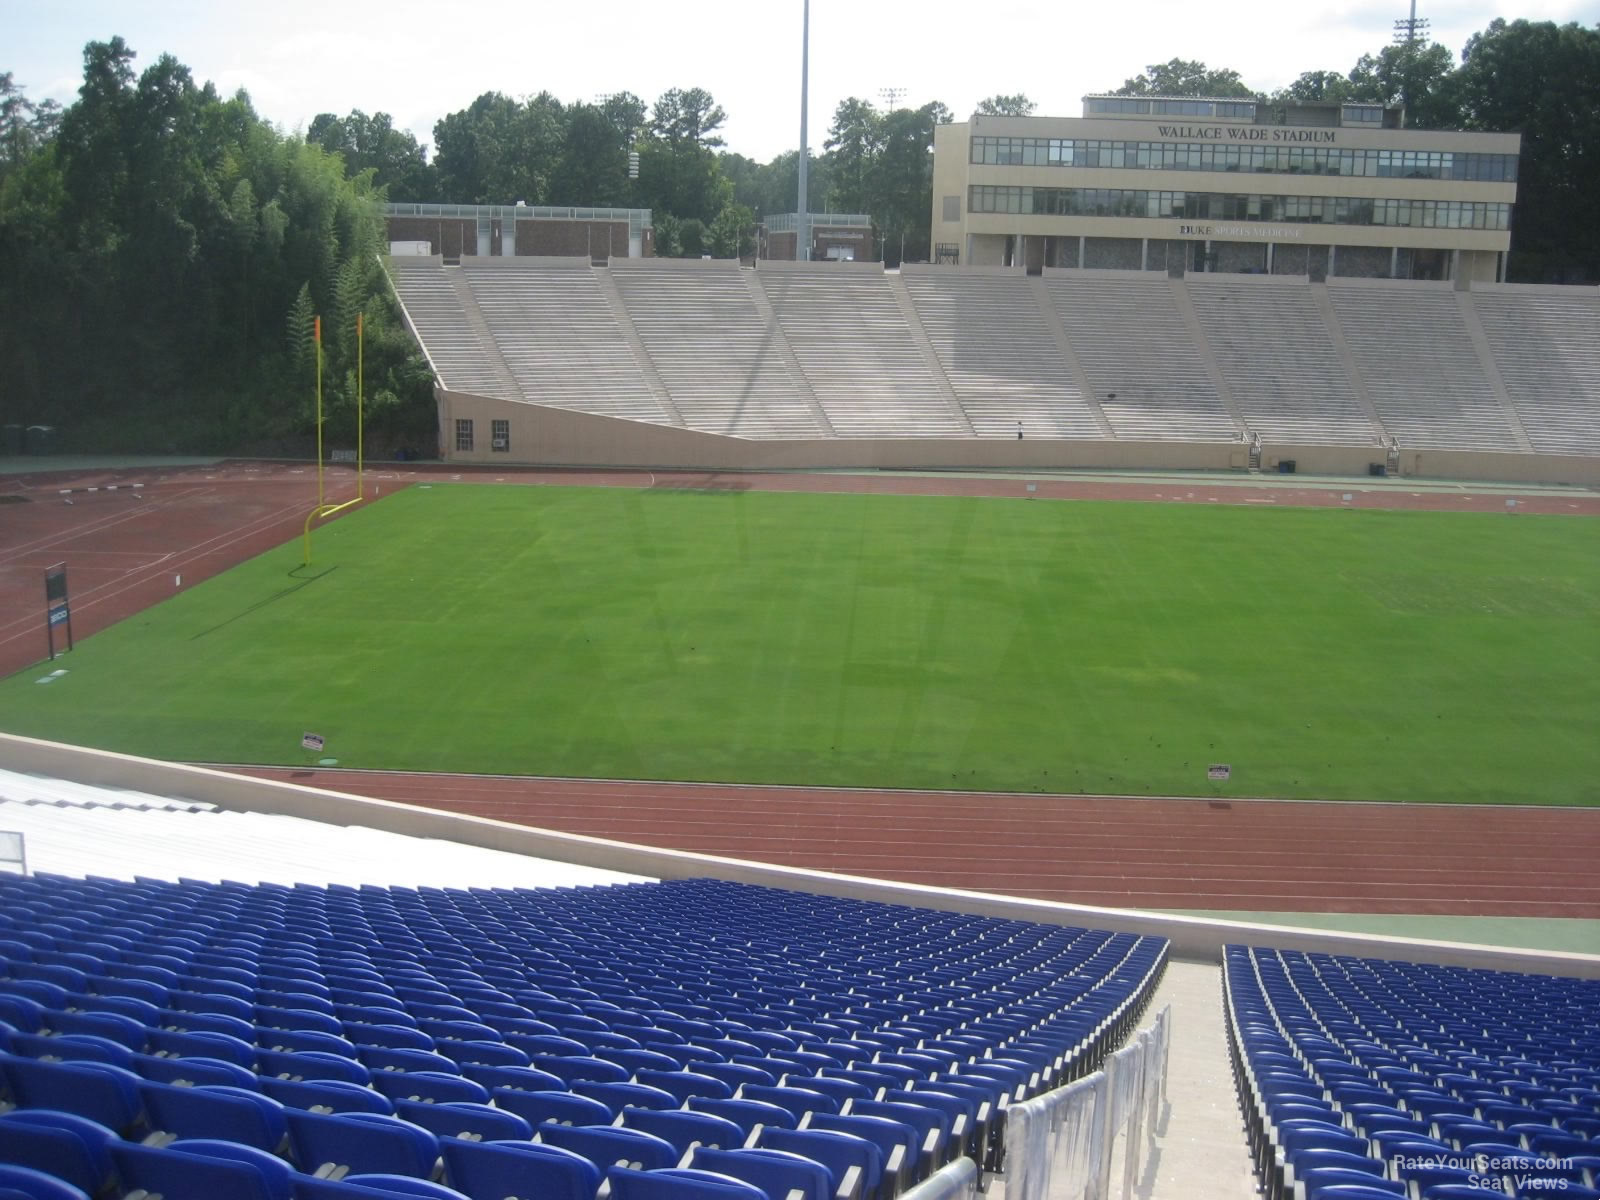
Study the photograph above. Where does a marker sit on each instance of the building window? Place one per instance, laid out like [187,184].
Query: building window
[952,208]
[463,434]
[1208,156]
[1341,210]
[500,435]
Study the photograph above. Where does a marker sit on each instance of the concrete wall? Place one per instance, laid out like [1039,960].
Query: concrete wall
[557,437]
[1191,937]
[1489,466]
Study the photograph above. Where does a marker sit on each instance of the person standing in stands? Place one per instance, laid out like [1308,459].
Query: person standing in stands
[1019,431]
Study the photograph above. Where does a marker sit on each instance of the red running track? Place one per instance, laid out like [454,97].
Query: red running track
[1124,851]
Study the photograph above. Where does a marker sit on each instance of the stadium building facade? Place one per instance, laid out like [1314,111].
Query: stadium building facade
[1233,185]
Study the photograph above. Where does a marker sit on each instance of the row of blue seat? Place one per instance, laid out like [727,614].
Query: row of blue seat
[703,1015]
[1341,1095]
[564,1163]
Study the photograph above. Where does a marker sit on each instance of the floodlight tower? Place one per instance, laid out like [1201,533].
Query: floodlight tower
[1408,31]
[802,236]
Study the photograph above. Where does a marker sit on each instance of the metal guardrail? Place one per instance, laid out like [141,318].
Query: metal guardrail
[1062,1144]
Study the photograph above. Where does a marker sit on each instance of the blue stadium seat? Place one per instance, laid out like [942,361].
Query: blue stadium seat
[518,1170]
[218,1113]
[682,1085]
[684,1129]
[24,1183]
[69,1147]
[747,1114]
[797,1100]
[203,1170]
[779,1175]
[856,1164]
[617,1096]
[373,1187]
[606,1145]
[360,1143]
[105,1094]
[327,1095]
[898,1143]
[431,1087]
[678,1184]
[562,1108]
[191,1072]
[463,1119]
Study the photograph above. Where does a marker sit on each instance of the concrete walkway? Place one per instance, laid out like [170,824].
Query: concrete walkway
[1200,1151]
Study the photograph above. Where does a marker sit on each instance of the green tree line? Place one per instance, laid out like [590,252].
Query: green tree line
[163,252]
[164,249]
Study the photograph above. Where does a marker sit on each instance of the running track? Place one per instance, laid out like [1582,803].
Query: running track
[123,553]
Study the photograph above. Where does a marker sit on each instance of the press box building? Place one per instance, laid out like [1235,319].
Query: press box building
[1166,183]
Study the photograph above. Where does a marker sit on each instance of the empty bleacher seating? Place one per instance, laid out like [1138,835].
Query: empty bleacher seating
[1279,360]
[1545,346]
[1145,369]
[1420,366]
[712,348]
[854,1007]
[559,337]
[463,359]
[1394,1075]
[996,348]
[855,347]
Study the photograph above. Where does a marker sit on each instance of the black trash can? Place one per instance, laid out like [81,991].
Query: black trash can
[1286,466]
[1377,470]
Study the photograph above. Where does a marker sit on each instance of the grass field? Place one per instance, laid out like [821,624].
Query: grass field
[880,641]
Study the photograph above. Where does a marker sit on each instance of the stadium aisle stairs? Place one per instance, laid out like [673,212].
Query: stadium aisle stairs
[1200,1148]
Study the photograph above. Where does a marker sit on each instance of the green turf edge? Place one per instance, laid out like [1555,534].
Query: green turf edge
[1572,934]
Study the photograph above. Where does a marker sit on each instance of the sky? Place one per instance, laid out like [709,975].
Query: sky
[419,60]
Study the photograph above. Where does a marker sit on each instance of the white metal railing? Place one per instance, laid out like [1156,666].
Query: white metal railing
[13,852]
[1062,1144]
[956,1181]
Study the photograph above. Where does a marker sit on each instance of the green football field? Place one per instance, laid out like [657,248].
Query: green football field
[882,641]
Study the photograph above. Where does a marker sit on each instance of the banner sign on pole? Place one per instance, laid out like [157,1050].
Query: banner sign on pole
[57,610]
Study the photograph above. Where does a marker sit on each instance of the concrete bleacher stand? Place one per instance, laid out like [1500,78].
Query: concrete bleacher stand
[680,363]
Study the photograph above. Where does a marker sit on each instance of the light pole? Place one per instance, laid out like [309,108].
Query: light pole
[802,246]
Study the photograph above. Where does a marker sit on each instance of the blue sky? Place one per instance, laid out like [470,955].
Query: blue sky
[418,61]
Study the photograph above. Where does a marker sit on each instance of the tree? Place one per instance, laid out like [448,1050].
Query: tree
[732,234]
[1544,80]
[678,171]
[1415,75]
[399,164]
[1184,77]
[905,178]
[687,118]
[1007,106]
[593,165]
[1315,86]
[499,150]
[854,142]
[24,126]
[182,237]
